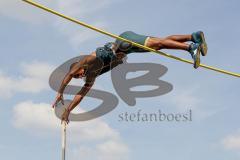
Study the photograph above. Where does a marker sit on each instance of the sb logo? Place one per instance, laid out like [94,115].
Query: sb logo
[121,83]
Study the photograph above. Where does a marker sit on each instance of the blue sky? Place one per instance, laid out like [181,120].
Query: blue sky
[33,43]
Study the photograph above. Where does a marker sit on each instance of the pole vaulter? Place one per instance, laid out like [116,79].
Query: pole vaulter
[130,42]
[125,43]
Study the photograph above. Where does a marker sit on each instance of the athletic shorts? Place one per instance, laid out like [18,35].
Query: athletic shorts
[127,47]
[106,55]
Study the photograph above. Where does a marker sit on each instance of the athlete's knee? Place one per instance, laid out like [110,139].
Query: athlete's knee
[171,37]
[155,43]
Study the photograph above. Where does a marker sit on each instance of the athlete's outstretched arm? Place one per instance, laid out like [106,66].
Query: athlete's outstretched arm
[77,99]
[64,83]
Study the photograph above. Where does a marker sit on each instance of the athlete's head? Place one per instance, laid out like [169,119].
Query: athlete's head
[80,71]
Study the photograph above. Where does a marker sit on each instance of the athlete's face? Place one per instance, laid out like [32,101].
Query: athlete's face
[79,74]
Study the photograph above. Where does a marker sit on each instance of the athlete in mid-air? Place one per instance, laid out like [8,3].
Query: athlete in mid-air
[107,57]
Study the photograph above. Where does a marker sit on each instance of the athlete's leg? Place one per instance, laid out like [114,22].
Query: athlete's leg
[196,37]
[180,38]
[166,43]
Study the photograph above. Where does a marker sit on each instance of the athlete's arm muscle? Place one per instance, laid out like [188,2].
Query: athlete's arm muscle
[78,98]
[68,77]
[64,83]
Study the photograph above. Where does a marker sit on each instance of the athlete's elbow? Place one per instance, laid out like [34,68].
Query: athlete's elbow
[78,97]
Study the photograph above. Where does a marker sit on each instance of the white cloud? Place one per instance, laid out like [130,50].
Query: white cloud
[77,35]
[22,11]
[112,150]
[19,10]
[232,142]
[38,117]
[5,86]
[34,79]
[109,150]
[96,138]
[81,8]
[41,117]
[187,98]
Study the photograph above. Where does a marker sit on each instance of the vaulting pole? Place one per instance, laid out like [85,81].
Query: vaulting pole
[133,43]
[64,131]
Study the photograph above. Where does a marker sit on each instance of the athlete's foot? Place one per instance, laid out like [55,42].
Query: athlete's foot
[198,37]
[194,50]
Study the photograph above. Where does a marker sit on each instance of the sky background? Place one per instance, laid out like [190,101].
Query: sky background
[33,43]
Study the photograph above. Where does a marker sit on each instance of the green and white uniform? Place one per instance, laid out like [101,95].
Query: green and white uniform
[134,37]
[106,53]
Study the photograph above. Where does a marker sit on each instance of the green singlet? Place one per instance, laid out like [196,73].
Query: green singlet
[127,47]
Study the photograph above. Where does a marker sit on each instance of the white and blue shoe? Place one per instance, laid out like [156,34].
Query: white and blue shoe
[195,50]
[198,37]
